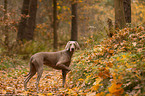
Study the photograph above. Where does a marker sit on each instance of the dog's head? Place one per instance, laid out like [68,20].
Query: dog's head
[72,46]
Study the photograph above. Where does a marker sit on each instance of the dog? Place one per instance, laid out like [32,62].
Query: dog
[58,60]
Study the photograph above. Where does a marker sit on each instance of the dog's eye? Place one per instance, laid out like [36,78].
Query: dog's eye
[74,44]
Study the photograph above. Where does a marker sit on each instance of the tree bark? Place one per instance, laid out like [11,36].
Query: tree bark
[55,25]
[127,10]
[119,14]
[6,42]
[110,27]
[74,26]
[31,20]
[23,21]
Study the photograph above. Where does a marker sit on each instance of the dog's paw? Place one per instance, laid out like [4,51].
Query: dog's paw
[69,69]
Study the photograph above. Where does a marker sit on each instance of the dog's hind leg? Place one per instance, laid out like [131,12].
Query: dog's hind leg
[39,74]
[39,69]
[30,75]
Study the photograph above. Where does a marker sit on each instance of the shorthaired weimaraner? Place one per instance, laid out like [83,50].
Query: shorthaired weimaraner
[58,60]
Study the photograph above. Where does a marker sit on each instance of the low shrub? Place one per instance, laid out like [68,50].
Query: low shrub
[113,67]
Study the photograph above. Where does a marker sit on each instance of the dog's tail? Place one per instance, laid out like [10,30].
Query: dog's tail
[26,75]
[30,67]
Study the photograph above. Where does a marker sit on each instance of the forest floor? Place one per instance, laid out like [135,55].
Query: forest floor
[12,82]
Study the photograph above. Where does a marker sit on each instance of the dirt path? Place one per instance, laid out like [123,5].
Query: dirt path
[11,82]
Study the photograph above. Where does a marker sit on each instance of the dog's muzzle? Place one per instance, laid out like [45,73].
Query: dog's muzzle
[72,49]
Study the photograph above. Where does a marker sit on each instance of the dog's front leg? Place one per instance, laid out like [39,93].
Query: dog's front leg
[62,66]
[63,77]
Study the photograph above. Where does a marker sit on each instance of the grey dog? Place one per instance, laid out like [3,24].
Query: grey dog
[58,60]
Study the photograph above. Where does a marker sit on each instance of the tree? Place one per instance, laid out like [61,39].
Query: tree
[127,10]
[119,14]
[55,24]
[31,20]
[110,27]
[6,25]
[74,25]
[23,22]
[27,23]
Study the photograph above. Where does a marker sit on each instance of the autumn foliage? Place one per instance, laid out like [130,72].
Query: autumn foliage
[113,67]
[103,67]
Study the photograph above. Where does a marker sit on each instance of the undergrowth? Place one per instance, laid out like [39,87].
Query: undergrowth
[113,67]
[10,62]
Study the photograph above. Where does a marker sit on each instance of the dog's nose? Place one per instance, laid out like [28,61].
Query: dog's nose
[72,49]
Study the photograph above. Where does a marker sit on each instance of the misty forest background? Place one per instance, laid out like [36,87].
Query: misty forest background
[110,32]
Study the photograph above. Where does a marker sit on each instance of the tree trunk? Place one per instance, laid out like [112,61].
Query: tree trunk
[6,42]
[110,27]
[31,20]
[23,21]
[119,14]
[127,10]
[55,25]
[74,26]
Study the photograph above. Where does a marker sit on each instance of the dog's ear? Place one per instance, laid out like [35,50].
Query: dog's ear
[77,45]
[67,45]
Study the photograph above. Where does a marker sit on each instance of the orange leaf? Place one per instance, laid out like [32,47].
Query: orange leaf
[116,89]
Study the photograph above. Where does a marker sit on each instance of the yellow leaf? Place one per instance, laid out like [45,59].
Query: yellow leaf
[95,87]
[25,93]
[98,80]
[138,76]
[96,61]
[120,77]
[100,94]
[58,7]
[126,95]
[81,79]
[58,17]
[96,84]
[4,92]
[127,65]
[49,94]
[80,1]
[70,91]
[124,56]
[109,95]
[118,58]
[40,94]
[87,78]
